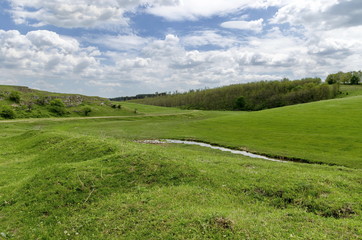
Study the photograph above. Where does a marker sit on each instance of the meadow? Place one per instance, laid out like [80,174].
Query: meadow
[87,178]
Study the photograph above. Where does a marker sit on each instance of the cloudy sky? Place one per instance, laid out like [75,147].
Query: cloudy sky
[115,48]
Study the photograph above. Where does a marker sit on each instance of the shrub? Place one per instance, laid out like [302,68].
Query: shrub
[86,111]
[14,96]
[57,106]
[42,101]
[7,112]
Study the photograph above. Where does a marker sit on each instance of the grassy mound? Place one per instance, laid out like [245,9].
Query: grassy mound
[56,186]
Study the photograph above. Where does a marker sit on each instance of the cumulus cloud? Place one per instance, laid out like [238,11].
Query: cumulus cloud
[256,26]
[111,13]
[72,14]
[45,51]
[322,14]
[330,29]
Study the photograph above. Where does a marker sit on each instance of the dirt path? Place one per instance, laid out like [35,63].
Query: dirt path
[32,120]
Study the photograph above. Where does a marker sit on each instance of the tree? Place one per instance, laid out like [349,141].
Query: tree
[355,80]
[240,103]
[14,96]
[331,79]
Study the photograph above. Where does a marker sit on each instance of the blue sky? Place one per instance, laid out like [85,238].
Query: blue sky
[119,47]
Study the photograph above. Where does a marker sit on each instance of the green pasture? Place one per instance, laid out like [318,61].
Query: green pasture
[86,178]
[68,186]
[321,132]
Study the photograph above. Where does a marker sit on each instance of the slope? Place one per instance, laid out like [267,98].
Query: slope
[66,186]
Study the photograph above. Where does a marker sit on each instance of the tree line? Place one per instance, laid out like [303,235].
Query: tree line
[250,96]
[352,78]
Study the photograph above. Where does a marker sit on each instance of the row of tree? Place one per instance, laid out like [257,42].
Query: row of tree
[250,96]
[352,78]
[139,96]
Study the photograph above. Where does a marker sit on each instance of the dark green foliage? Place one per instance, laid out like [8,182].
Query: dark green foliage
[355,80]
[240,103]
[15,96]
[255,96]
[87,111]
[57,106]
[117,106]
[7,112]
[331,79]
[352,78]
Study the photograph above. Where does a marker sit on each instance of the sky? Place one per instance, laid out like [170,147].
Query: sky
[113,48]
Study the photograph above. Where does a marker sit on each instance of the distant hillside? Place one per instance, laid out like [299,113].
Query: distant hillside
[139,96]
[249,97]
[24,102]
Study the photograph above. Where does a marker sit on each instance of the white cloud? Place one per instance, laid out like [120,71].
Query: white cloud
[119,42]
[45,51]
[111,13]
[43,40]
[321,15]
[72,14]
[209,37]
[104,84]
[193,10]
[256,26]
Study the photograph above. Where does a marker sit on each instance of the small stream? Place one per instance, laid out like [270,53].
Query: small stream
[244,153]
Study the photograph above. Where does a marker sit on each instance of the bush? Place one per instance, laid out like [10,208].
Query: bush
[86,111]
[7,112]
[57,106]
[14,96]
[42,101]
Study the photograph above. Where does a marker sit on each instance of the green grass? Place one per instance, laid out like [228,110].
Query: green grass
[88,179]
[325,131]
[350,90]
[58,186]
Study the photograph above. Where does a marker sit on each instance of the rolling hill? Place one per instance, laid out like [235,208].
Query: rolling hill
[84,178]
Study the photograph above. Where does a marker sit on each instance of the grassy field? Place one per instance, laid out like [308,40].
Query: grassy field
[56,186]
[325,131]
[87,178]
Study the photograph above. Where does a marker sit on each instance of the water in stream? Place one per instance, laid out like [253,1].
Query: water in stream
[244,153]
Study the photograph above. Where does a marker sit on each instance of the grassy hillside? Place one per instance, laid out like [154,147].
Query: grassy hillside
[55,186]
[86,178]
[325,131]
[29,103]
